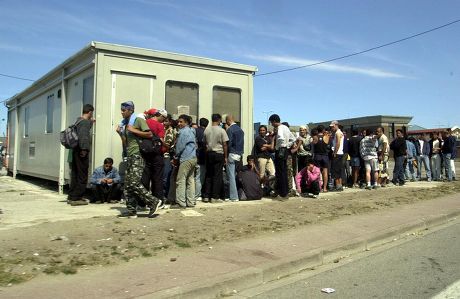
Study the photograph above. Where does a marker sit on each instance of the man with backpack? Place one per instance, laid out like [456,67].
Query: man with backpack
[80,158]
[132,137]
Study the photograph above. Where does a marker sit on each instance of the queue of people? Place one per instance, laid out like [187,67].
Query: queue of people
[178,163]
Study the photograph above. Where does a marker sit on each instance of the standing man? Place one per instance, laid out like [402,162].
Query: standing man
[355,157]
[80,158]
[448,152]
[216,157]
[435,145]
[134,189]
[152,177]
[282,140]
[383,153]
[423,157]
[399,150]
[235,152]
[368,152]
[186,156]
[263,149]
[337,148]
[200,169]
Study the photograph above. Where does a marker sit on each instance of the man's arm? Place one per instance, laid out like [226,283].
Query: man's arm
[338,137]
[225,152]
[137,132]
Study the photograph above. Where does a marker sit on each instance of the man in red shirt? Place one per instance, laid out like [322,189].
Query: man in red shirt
[152,177]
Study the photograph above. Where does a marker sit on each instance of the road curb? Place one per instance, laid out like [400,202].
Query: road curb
[233,282]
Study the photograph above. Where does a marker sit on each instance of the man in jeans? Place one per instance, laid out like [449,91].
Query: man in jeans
[399,150]
[186,156]
[448,149]
[200,169]
[423,157]
[80,158]
[435,145]
[235,152]
[216,157]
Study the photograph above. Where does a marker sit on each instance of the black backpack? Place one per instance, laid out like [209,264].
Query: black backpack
[150,146]
[69,137]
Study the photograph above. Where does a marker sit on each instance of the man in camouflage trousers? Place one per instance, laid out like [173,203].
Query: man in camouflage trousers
[131,136]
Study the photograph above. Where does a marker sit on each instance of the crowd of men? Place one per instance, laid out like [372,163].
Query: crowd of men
[177,162]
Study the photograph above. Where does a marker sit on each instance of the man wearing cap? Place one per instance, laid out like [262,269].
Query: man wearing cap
[152,177]
[337,147]
[134,189]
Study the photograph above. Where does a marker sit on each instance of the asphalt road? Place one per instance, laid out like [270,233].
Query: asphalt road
[420,268]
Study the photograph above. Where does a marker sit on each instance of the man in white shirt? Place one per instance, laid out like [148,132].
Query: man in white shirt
[337,147]
[283,139]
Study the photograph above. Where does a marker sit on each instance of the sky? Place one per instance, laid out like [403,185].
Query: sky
[418,77]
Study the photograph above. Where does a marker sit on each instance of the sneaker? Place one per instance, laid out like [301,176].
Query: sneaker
[314,196]
[226,199]
[217,200]
[154,208]
[206,200]
[355,185]
[128,215]
[199,198]
[81,202]
[234,200]
[368,187]
[162,205]
[375,187]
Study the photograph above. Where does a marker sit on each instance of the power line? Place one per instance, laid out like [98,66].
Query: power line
[14,77]
[360,52]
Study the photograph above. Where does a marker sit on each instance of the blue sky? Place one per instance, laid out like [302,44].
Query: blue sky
[419,77]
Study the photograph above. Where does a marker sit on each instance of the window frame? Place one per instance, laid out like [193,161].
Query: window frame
[240,102]
[49,120]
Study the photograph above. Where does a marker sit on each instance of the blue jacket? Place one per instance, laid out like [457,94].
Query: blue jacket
[411,151]
[185,145]
[235,140]
[426,150]
[99,174]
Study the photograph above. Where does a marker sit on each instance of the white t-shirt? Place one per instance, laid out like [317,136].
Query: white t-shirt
[283,137]
[338,133]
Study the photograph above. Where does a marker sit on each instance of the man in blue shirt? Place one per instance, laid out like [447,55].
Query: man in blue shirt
[105,183]
[235,152]
[186,156]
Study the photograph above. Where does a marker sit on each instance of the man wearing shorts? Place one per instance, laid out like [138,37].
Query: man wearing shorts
[383,155]
[368,152]
[337,162]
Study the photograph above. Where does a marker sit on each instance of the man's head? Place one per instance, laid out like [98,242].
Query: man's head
[399,133]
[108,162]
[251,160]
[167,122]
[262,131]
[229,120]
[204,122]
[275,120]
[303,131]
[183,120]
[310,165]
[380,131]
[127,109]
[216,118]
[87,111]
[158,114]
[320,129]
[334,125]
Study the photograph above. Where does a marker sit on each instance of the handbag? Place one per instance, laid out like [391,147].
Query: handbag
[150,146]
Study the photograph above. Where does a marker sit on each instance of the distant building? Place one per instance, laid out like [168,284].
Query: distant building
[389,123]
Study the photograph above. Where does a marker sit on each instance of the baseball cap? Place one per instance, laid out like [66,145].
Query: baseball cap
[333,123]
[150,111]
[162,112]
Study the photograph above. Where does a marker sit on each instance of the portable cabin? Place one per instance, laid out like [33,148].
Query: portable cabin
[105,75]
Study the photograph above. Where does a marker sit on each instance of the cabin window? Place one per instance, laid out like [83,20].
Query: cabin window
[26,121]
[88,90]
[182,98]
[227,101]
[49,113]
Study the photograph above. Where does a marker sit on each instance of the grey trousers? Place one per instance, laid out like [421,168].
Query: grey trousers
[185,183]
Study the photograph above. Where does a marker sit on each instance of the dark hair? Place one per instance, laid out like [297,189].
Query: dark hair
[186,118]
[216,117]
[87,108]
[354,132]
[320,129]
[286,124]
[309,161]
[274,118]
[169,117]
[250,157]
[314,132]
[108,160]
[263,126]
[399,130]
[204,122]
[381,128]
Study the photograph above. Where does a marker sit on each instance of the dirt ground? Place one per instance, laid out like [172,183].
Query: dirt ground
[69,246]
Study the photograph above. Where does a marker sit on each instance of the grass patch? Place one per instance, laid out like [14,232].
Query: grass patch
[182,244]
